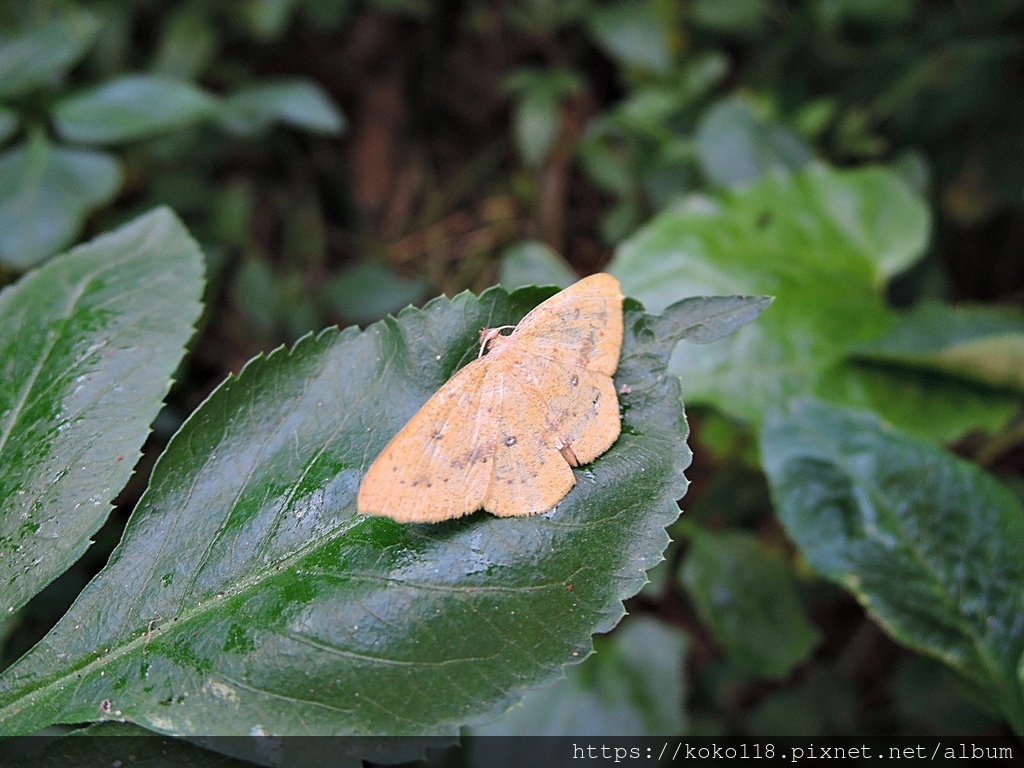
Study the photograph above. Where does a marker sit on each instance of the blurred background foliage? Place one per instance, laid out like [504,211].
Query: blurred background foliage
[339,160]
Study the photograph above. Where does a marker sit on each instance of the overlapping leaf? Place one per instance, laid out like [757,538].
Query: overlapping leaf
[37,55]
[248,596]
[824,242]
[131,107]
[929,543]
[747,597]
[631,686]
[90,343]
[983,344]
[295,102]
[45,194]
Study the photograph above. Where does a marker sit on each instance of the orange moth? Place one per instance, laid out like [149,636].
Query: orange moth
[504,433]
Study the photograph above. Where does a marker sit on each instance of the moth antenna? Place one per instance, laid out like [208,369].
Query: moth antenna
[487,335]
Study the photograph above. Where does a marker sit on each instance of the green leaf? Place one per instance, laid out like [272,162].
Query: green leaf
[709,318]
[188,43]
[248,596]
[538,98]
[368,291]
[632,34]
[924,691]
[9,122]
[631,686]
[747,597]
[735,146]
[266,19]
[534,263]
[536,124]
[100,330]
[45,193]
[34,57]
[824,242]
[737,16]
[131,107]
[982,344]
[298,103]
[929,543]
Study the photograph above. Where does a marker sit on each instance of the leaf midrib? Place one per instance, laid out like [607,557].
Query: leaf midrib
[179,621]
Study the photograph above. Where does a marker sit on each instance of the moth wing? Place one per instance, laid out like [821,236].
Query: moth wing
[581,327]
[581,407]
[439,465]
[530,473]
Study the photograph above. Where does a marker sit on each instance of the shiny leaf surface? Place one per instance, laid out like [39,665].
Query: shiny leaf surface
[929,543]
[100,331]
[248,596]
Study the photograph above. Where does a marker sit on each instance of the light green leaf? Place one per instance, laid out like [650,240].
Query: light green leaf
[747,597]
[631,686]
[631,33]
[983,344]
[93,338]
[735,146]
[534,263]
[248,596]
[298,103]
[35,56]
[929,543]
[823,242]
[45,193]
[131,107]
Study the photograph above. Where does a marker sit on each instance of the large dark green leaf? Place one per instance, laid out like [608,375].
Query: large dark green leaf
[131,107]
[746,596]
[824,243]
[90,343]
[248,596]
[983,344]
[37,55]
[45,193]
[929,543]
